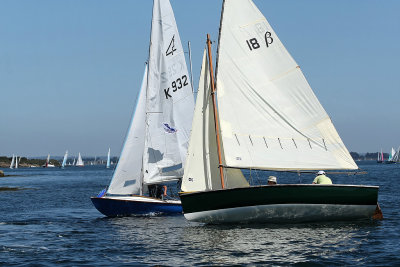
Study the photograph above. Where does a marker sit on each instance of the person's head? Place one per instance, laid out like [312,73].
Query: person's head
[272,180]
[320,173]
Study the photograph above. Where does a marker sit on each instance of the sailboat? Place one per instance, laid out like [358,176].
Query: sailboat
[79,162]
[16,162]
[391,158]
[155,147]
[47,164]
[380,157]
[108,159]
[267,118]
[12,162]
[395,158]
[64,162]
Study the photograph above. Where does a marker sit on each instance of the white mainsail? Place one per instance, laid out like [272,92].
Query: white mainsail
[169,102]
[64,162]
[269,115]
[108,159]
[12,162]
[128,173]
[16,162]
[79,162]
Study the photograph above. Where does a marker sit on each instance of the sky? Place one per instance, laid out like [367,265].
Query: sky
[70,70]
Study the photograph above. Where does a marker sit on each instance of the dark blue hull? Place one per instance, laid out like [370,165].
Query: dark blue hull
[117,207]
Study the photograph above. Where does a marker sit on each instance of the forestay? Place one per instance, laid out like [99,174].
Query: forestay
[127,178]
[170,103]
[269,115]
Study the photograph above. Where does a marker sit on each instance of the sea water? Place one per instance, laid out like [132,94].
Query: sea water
[53,222]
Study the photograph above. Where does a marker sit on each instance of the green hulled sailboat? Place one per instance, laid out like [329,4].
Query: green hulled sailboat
[262,114]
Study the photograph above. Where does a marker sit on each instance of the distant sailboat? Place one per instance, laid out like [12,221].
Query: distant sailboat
[380,157]
[48,164]
[155,147]
[64,162]
[79,162]
[12,162]
[16,162]
[395,158]
[108,159]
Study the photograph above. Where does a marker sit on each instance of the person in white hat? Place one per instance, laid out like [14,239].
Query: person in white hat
[272,180]
[322,178]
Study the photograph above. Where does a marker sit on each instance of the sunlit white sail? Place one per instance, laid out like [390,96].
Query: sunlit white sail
[127,175]
[269,115]
[169,102]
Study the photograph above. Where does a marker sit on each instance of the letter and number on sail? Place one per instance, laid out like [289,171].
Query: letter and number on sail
[179,82]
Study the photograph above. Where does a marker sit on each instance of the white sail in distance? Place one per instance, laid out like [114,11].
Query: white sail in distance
[64,162]
[108,159]
[169,102]
[127,177]
[79,162]
[269,116]
[12,162]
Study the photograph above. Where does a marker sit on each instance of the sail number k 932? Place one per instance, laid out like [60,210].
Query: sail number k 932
[253,43]
[175,85]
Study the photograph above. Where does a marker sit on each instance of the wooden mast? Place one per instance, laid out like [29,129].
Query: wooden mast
[221,170]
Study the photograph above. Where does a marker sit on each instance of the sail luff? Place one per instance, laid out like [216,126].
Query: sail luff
[215,111]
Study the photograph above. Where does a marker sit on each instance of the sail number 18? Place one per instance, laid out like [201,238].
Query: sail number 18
[254,44]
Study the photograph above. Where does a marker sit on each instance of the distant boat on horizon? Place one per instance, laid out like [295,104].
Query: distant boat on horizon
[108,159]
[48,164]
[79,162]
[380,157]
[64,162]
[393,156]
[12,162]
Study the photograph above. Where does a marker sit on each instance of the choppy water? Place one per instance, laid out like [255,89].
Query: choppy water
[53,222]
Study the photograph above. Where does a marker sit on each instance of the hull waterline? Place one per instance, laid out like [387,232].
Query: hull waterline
[281,203]
[135,205]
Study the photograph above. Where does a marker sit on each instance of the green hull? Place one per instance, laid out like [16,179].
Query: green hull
[280,203]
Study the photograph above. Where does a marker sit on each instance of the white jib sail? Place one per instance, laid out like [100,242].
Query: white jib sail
[269,115]
[64,162]
[201,168]
[127,177]
[170,103]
